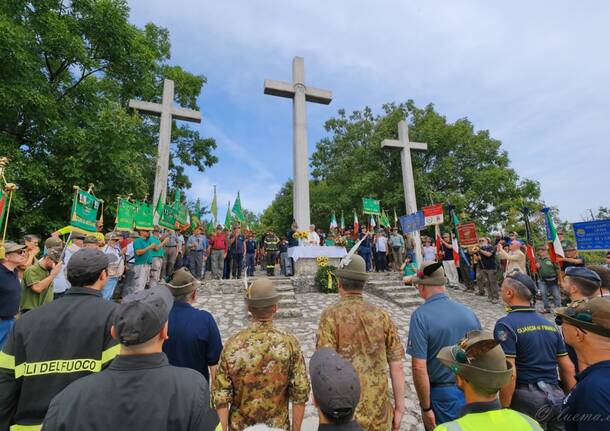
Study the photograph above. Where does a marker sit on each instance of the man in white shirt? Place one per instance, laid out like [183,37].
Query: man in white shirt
[381,245]
[313,239]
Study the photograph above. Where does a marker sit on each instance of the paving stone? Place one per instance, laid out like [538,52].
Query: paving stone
[229,312]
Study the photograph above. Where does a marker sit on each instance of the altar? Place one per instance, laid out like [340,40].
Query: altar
[305,258]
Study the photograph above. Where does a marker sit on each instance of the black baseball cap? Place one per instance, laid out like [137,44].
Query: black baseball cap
[88,261]
[335,384]
[141,315]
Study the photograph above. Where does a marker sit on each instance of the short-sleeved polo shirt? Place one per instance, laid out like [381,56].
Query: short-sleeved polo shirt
[428,333]
[587,407]
[29,298]
[10,292]
[194,340]
[139,244]
[156,241]
[533,341]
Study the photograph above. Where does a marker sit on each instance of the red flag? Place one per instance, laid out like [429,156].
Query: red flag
[532,258]
[437,241]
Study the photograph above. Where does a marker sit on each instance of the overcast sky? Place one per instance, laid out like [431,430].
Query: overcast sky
[534,73]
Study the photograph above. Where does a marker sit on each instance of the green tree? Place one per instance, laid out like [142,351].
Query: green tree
[67,71]
[462,166]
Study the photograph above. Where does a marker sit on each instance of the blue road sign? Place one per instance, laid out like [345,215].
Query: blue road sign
[592,235]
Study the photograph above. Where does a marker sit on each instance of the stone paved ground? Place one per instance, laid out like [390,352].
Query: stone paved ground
[229,313]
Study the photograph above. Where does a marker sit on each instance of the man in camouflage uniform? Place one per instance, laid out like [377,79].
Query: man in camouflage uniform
[365,335]
[261,368]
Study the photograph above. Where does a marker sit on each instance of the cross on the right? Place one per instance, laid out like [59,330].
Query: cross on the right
[408,182]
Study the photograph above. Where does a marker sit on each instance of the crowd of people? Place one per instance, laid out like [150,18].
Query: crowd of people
[101,333]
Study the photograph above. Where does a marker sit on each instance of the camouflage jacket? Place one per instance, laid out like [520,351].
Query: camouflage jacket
[365,335]
[260,369]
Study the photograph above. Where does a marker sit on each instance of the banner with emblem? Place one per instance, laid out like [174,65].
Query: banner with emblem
[84,210]
[125,215]
[144,216]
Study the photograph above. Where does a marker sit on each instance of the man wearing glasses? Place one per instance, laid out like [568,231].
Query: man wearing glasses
[10,288]
[535,348]
[586,328]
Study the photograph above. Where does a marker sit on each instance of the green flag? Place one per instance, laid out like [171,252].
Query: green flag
[228,218]
[125,215]
[144,216]
[159,206]
[383,219]
[84,211]
[168,217]
[342,224]
[210,228]
[237,212]
[214,207]
[177,198]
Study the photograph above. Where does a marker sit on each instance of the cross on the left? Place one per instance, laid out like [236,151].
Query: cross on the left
[167,111]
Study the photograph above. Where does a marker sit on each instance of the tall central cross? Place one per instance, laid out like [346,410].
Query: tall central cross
[299,93]
[168,112]
[408,183]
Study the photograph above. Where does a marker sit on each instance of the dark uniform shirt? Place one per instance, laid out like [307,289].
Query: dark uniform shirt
[10,293]
[488,262]
[251,246]
[51,347]
[292,241]
[587,407]
[194,340]
[350,426]
[534,342]
[136,392]
[238,244]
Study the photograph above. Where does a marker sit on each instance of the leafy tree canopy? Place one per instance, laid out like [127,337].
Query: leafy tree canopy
[462,166]
[67,72]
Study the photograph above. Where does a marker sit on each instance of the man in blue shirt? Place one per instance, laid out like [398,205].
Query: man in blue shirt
[366,246]
[586,327]
[197,246]
[237,247]
[194,340]
[535,348]
[10,287]
[251,246]
[437,323]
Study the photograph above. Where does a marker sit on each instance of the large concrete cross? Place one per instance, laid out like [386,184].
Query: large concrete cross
[408,183]
[299,93]
[167,111]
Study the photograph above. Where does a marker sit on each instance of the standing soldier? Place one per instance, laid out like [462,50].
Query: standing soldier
[536,349]
[365,335]
[271,244]
[238,251]
[261,368]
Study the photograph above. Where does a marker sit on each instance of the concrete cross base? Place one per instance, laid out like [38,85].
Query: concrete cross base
[309,265]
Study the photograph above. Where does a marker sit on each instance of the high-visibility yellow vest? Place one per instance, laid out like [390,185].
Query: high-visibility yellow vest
[496,420]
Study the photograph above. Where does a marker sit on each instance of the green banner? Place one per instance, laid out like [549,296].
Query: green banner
[84,211]
[125,215]
[371,206]
[144,216]
[168,217]
[182,215]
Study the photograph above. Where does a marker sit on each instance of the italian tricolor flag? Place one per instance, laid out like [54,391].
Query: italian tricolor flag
[356,225]
[3,206]
[555,248]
